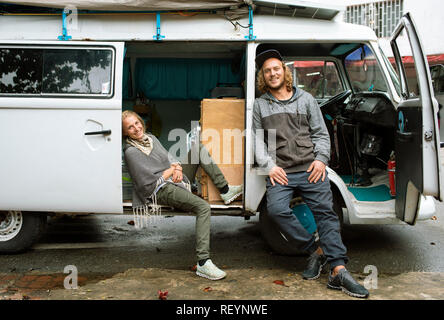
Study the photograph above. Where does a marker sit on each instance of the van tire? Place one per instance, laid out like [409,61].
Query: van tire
[31,224]
[273,236]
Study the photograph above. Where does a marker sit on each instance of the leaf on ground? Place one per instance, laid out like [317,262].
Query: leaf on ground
[15,296]
[434,218]
[208,289]
[280,282]
[162,295]
[193,268]
[131,222]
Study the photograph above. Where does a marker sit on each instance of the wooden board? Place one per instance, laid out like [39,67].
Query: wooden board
[222,132]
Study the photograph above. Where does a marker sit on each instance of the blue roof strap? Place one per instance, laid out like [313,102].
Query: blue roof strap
[64,35]
[250,36]
[158,36]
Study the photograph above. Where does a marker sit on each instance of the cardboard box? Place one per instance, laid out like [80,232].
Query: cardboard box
[222,132]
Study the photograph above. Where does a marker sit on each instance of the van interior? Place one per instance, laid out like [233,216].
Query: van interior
[165,83]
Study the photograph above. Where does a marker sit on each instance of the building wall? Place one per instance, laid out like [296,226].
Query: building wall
[428,16]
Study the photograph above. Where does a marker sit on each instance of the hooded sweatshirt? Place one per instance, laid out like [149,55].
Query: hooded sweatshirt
[290,134]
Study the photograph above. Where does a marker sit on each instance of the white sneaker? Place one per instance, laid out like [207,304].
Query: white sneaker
[232,194]
[210,271]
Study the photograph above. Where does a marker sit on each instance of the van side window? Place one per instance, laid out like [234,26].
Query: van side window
[319,78]
[55,71]
[77,71]
[437,75]
[20,71]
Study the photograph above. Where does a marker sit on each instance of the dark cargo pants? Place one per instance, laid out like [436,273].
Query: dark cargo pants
[319,199]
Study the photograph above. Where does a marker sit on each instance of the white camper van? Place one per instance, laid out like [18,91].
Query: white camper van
[66,76]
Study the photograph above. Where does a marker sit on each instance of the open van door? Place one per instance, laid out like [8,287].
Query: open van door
[60,126]
[417,149]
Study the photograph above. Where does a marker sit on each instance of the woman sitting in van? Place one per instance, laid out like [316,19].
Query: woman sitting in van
[158,178]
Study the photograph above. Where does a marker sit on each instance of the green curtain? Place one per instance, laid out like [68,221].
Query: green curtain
[126,79]
[183,79]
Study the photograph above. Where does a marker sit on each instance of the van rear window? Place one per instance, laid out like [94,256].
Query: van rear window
[55,71]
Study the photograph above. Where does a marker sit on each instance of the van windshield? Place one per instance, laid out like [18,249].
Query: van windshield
[318,77]
[392,72]
[364,71]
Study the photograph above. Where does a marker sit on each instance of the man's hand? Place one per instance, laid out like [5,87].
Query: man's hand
[317,169]
[278,174]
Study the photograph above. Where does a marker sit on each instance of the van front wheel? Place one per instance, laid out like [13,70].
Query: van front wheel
[272,235]
[20,230]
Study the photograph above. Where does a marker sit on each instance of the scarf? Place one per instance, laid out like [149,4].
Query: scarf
[145,145]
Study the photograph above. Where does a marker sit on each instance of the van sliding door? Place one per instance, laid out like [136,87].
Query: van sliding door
[418,168]
[60,126]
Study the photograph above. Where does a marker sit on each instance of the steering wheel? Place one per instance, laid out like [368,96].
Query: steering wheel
[339,98]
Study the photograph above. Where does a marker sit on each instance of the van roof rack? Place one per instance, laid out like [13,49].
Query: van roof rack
[298,8]
[292,8]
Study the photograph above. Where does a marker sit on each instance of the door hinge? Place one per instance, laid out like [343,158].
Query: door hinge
[428,135]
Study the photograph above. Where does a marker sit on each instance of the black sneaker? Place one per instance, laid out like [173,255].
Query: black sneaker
[315,264]
[345,282]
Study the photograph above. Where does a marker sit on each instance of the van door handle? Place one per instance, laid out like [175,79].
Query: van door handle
[104,132]
[405,136]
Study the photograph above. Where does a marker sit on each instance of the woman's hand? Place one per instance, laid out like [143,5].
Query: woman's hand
[168,172]
[177,174]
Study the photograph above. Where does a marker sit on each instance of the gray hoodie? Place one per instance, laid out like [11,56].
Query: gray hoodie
[299,130]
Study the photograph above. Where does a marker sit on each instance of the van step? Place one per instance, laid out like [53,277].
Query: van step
[374,194]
